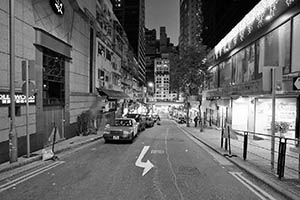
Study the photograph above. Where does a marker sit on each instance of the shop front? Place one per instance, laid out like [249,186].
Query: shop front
[285,111]
[255,114]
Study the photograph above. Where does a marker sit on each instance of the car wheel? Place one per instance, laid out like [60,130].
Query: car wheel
[132,138]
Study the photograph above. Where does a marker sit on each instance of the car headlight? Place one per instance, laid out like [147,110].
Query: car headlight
[126,132]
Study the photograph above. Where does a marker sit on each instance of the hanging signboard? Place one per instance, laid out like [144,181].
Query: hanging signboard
[19,99]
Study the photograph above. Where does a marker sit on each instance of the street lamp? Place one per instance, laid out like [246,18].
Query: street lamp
[150,88]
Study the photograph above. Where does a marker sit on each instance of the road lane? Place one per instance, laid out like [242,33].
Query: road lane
[182,170]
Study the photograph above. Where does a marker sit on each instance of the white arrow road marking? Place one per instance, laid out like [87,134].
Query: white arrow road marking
[146,165]
[251,186]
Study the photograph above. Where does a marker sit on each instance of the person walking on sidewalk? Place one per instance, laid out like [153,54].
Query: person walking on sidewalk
[196,120]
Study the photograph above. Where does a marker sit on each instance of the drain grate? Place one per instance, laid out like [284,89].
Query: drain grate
[188,171]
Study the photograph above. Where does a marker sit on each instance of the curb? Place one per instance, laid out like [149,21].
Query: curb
[287,194]
[39,157]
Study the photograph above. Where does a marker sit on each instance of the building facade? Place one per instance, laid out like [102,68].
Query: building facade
[239,89]
[131,15]
[162,79]
[70,61]
[188,23]
[152,52]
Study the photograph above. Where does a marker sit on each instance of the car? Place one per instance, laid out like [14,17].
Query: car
[140,119]
[181,120]
[155,116]
[149,121]
[123,129]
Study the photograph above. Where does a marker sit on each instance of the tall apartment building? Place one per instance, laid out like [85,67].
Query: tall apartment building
[188,23]
[162,79]
[219,17]
[131,15]
[157,51]
[152,50]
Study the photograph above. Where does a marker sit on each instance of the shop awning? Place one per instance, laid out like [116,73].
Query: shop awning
[112,94]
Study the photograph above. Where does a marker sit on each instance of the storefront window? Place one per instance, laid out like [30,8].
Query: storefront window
[285,112]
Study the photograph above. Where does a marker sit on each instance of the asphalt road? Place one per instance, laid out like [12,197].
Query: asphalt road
[183,169]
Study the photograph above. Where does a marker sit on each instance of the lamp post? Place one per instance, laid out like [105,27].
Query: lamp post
[13,139]
[150,89]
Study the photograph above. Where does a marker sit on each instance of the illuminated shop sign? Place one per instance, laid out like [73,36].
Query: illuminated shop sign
[57,6]
[19,99]
[213,98]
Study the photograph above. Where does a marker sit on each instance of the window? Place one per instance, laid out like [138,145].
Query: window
[101,49]
[296,44]
[277,47]
[108,55]
[53,78]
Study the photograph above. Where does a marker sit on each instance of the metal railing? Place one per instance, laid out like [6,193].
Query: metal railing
[256,148]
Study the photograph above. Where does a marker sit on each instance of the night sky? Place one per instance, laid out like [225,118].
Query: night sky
[163,13]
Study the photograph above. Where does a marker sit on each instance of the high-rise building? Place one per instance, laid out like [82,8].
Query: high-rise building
[158,53]
[162,79]
[188,23]
[218,18]
[152,49]
[131,15]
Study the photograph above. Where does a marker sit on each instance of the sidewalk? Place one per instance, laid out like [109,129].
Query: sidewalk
[59,147]
[255,164]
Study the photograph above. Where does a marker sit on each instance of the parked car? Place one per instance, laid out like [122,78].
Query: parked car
[122,129]
[155,116]
[149,121]
[181,120]
[141,120]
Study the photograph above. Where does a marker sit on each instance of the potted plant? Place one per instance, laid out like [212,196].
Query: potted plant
[281,127]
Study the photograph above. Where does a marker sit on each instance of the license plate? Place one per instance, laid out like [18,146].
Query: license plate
[115,137]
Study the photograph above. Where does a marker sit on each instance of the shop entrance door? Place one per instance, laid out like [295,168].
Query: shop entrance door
[54,119]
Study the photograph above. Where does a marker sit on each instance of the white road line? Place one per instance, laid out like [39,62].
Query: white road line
[32,174]
[171,166]
[251,186]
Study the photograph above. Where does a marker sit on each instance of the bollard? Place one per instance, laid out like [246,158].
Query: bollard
[226,145]
[281,158]
[245,145]
[222,134]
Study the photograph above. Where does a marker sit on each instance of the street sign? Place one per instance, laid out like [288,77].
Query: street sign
[296,83]
[31,88]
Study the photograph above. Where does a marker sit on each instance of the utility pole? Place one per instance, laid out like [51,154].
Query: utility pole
[13,139]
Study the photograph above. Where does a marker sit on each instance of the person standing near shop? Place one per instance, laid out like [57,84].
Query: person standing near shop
[196,120]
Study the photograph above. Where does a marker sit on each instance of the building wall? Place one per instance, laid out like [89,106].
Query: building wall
[241,78]
[72,30]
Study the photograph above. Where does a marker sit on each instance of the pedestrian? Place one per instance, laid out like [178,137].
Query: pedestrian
[158,120]
[196,120]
